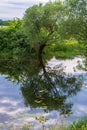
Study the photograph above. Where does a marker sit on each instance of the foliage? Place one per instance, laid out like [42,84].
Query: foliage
[13,41]
[56,22]
[75,23]
[67,49]
[27,126]
[40,23]
[15,24]
[42,119]
[79,125]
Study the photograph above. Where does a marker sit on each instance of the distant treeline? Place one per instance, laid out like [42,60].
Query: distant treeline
[4,22]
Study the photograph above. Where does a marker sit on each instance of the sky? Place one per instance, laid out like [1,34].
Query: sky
[10,9]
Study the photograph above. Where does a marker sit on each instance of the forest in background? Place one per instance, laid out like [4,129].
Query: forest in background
[4,22]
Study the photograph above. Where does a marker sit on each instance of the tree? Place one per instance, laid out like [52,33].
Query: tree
[55,22]
[40,23]
[76,20]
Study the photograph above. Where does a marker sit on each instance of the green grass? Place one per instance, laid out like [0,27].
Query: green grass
[79,125]
[3,27]
[67,49]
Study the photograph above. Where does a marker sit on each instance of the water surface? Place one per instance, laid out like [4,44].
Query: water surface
[55,91]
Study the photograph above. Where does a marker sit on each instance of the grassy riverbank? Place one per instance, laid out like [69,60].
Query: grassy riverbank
[66,49]
[80,125]
[13,42]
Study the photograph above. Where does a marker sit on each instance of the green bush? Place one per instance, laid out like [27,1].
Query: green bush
[13,42]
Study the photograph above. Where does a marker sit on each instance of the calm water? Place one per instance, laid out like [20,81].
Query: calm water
[56,90]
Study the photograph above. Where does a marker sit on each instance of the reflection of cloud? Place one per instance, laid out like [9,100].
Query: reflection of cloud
[80,105]
[80,110]
[68,65]
[11,9]
[11,107]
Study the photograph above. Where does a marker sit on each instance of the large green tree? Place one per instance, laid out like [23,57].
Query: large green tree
[41,22]
[54,22]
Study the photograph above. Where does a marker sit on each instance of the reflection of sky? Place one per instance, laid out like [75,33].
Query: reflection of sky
[13,110]
[80,105]
[80,101]
[69,65]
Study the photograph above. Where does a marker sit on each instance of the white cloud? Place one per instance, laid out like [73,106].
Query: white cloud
[11,9]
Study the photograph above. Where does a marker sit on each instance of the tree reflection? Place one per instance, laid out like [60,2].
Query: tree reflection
[42,86]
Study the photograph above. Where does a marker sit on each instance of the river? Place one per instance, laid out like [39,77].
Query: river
[18,106]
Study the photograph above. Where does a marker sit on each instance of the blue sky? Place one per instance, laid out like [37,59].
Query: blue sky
[15,8]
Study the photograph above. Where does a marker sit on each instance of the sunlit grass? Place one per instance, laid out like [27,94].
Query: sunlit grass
[67,49]
[3,27]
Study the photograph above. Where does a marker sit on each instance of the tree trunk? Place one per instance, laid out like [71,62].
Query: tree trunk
[40,50]
[41,64]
